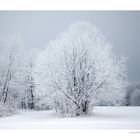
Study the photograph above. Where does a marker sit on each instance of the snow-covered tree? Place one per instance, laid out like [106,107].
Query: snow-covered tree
[28,98]
[16,79]
[8,70]
[24,78]
[79,69]
[8,63]
[133,94]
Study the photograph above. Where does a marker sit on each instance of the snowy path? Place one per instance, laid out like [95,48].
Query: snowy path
[102,118]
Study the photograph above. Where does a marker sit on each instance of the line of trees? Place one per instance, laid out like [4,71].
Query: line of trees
[16,75]
[71,75]
[133,95]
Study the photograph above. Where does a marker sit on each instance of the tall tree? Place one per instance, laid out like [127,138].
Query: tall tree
[8,63]
[78,69]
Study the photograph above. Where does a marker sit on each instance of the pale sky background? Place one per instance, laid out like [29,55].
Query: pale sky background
[122,29]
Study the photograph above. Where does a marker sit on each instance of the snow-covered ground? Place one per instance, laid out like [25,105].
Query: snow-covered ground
[102,118]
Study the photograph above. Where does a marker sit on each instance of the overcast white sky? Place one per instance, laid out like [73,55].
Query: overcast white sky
[122,29]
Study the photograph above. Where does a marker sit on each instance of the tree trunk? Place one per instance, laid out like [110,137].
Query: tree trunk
[83,109]
[6,93]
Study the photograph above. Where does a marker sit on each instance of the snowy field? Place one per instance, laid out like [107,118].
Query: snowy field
[102,118]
